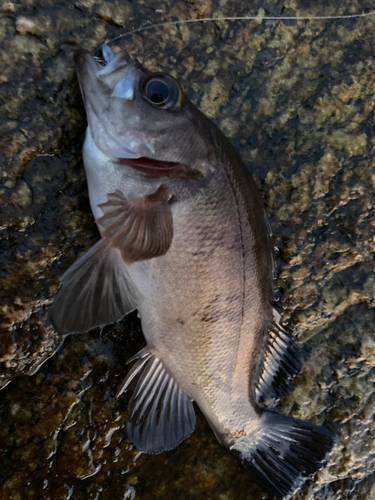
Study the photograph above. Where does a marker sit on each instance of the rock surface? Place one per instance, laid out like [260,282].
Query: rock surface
[297,98]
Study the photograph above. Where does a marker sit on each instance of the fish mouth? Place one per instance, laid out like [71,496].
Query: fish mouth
[155,168]
[98,77]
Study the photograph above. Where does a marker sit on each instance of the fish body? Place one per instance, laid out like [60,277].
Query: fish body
[185,242]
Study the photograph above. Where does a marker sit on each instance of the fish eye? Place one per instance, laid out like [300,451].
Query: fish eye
[157,91]
[163,91]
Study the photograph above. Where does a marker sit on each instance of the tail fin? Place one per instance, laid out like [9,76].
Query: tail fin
[282,452]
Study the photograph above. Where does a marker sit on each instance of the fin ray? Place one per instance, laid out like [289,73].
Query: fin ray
[282,452]
[132,375]
[141,228]
[280,366]
[160,414]
[96,291]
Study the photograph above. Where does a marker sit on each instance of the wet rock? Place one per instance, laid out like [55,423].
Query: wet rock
[115,13]
[8,7]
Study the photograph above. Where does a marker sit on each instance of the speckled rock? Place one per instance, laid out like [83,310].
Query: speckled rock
[297,98]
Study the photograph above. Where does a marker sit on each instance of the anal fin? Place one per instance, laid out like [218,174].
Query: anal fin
[280,366]
[160,413]
[96,291]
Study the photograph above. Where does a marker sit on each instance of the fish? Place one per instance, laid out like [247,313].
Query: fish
[185,240]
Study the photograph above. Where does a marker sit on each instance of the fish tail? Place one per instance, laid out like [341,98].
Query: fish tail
[281,452]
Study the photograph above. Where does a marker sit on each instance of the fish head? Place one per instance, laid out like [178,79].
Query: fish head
[135,114]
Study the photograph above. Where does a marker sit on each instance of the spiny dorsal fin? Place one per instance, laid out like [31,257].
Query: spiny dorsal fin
[141,228]
[281,364]
[96,291]
[160,414]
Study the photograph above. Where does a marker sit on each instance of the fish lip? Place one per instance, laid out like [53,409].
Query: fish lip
[94,97]
[86,67]
[154,168]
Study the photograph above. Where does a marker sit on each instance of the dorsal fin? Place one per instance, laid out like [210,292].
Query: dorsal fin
[141,228]
[160,414]
[280,366]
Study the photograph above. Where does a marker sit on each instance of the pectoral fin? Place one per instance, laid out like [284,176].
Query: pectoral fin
[96,291]
[141,228]
[160,413]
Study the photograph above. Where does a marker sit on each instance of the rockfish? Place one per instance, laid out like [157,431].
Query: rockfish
[185,241]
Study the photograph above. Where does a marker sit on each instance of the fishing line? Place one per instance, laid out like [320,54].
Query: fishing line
[259,17]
